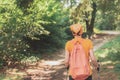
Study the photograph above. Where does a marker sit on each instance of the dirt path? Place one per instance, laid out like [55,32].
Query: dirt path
[52,67]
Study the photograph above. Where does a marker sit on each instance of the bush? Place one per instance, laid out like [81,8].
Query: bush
[30,28]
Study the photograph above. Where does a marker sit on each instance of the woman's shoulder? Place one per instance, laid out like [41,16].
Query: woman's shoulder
[88,40]
[69,41]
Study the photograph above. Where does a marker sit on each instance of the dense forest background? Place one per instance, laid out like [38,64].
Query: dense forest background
[33,27]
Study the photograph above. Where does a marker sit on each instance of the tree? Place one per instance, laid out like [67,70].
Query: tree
[108,14]
[85,12]
[27,22]
[90,25]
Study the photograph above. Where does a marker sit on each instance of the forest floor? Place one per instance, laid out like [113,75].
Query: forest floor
[51,67]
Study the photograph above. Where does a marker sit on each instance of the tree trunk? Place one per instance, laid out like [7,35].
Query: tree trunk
[90,26]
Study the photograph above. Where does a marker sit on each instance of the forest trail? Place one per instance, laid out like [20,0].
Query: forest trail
[52,67]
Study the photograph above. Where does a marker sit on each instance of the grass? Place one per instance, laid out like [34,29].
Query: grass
[97,30]
[110,50]
[109,53]
[9,77]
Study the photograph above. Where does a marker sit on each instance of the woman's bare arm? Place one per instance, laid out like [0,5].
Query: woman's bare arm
[67,58]
[93,59]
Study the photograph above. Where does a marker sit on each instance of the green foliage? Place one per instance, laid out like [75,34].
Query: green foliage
[79,12]
[24,3]
[110,50]
[108,15]
[69,33]
[10,77]
[55,21]
[26,24]
[117,67]
[31,59]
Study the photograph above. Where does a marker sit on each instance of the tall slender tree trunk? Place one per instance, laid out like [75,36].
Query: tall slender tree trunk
[90,25]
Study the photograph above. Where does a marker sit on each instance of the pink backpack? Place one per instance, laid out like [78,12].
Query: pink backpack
[79,62]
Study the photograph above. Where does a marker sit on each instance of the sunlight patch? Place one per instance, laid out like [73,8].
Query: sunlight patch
[52,63]
[106,62]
